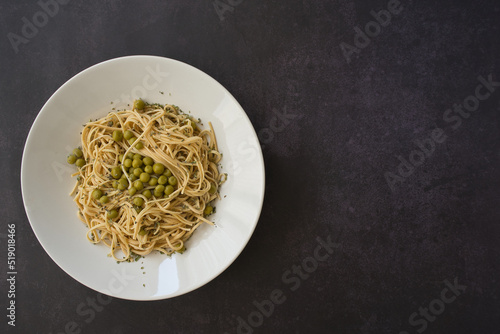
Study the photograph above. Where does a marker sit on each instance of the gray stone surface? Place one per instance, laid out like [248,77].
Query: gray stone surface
[325,168]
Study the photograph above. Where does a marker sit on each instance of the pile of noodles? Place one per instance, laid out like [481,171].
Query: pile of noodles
[169,137]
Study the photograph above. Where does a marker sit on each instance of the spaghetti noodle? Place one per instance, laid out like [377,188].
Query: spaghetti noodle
[147,180]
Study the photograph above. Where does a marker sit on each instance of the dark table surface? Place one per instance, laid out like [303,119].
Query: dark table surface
[387,144]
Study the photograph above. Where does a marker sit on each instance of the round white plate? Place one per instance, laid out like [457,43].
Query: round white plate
[46,181]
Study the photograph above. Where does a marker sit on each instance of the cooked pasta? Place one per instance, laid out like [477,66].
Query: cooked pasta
[147,178]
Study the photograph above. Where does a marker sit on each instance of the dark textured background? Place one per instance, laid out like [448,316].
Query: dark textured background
[325,169]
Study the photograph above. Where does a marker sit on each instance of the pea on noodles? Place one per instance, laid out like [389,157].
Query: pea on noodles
[139,217]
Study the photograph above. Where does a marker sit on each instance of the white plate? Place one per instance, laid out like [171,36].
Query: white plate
[46,181]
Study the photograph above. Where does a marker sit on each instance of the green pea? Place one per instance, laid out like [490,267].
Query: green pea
[80,163]
[128,134]
[132,140]
[193,125]
[137,172]
[104,199]
[157,194]
[137,208]
[123,182]
[153,181]
[77,153]
[138,185]
[147,194]
[139,145]
[138,201]
[116,172]
[121,187]
[142,232]
[113,214]
[208,210]
[172,180]
[137,156]
[130,156]
[120,157]
[96,194]
[167,173]
[148,161]
[132,191]
[168,190]
[162,179]
[115,184]
[160,189]
[71,159]
[213,189]
[158,168]
[137,163]
[127,163]
[132,177]
[139,104]
[117,135]
[148,169]
[144,177]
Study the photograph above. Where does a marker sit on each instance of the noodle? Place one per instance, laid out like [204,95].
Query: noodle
[169,137]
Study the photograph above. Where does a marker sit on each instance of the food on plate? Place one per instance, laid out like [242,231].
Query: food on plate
[147,179]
